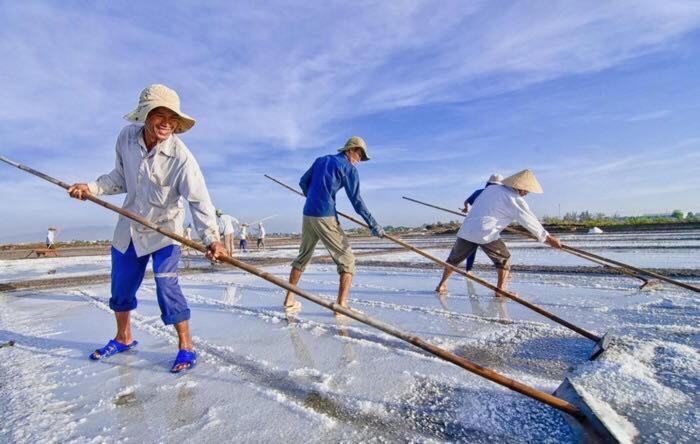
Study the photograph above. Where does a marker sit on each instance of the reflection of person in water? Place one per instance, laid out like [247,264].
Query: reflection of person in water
[300,350]
[231,295]
[349,356]
[127,395]
[495,308]
[348,359]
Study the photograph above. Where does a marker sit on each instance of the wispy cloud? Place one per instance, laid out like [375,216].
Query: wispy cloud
[652,115]
[275,83]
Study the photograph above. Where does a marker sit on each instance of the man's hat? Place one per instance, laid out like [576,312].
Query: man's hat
[356,142]
[495,178]
[524,180]
[154,96]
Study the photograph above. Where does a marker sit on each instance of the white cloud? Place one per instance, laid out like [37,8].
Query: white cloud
[267,80]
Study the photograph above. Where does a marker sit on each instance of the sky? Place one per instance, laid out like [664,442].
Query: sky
[600,99]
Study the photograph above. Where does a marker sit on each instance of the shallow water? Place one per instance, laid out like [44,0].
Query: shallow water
[265,376]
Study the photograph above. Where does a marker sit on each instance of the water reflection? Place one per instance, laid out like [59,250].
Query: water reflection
[128,399]
[349,356]
[494,308]
[300,350]
[232,295]
[182,411]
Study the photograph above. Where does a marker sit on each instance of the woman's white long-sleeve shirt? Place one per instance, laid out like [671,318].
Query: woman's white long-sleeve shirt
[497,207]
[156,182]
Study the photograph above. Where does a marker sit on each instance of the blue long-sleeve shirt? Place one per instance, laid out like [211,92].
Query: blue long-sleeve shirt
[321,182]
[472,198]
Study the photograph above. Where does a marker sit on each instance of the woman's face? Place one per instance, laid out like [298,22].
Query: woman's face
[161,123]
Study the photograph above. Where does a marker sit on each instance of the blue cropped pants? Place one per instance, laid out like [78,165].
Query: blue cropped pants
[128,271]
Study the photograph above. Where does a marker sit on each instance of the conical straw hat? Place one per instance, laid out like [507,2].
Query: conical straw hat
[524,180]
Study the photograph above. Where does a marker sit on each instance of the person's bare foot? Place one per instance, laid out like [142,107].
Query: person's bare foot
[294,307]
[442,289]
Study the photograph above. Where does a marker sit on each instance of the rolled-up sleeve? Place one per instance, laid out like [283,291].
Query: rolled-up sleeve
[524,216]
[192,187]
[351,183]
[112,182]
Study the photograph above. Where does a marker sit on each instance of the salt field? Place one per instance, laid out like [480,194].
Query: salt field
[319,378]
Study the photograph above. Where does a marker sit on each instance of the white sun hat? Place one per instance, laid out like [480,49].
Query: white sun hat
[524,180]
[154,96]
[495,178]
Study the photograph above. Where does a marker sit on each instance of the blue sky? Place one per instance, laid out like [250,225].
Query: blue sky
[600,99]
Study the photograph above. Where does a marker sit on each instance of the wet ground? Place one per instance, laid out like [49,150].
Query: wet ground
[264,376]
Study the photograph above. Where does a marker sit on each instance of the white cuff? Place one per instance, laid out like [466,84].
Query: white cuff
[94,188]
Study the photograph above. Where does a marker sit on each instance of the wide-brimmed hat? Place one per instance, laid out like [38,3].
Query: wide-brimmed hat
[524,180]
[154,96]
[356,142]
[495,178]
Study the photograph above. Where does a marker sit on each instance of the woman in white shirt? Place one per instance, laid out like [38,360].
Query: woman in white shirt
[497,207]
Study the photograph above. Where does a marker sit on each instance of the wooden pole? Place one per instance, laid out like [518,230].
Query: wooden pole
[624,268]
[458,270]
[389,329]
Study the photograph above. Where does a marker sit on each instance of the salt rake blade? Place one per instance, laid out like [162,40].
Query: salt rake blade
[651,285]
[601,346]
[600,423]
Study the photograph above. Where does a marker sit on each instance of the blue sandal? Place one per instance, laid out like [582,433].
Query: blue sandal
[186,357]
[112,348]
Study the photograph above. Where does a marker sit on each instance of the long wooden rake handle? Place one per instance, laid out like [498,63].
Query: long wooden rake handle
[624,268]
[491,375]
[486,284]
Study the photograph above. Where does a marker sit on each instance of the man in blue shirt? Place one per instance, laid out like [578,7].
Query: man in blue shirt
[320,183]
[495,179]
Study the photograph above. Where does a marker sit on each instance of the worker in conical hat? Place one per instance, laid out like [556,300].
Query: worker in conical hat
[496,208]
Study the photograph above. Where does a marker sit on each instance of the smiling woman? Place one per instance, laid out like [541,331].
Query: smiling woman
[155,170]
[160,124]
[162,104]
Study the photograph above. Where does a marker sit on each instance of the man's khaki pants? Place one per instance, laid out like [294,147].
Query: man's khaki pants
[228,243]
[328,231]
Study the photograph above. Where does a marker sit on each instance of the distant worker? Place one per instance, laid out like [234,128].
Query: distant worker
[156,171]
[227,227]
[495,179]
[320,183]
[188,235]
[51,238]
[496,208]
[261,236]
[243,245]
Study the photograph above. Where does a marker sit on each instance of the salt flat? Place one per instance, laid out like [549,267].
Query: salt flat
[264,376]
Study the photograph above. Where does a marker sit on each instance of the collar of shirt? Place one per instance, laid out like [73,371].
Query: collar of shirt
[343,158]
[165,147]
